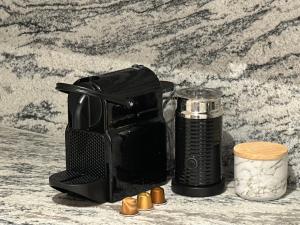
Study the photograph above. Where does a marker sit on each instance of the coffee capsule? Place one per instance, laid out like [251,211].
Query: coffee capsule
[158,195]
[129,207]
[144,201]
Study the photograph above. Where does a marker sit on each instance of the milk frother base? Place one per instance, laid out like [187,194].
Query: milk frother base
[198,191]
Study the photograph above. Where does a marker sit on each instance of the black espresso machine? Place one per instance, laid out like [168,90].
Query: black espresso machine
[116,136]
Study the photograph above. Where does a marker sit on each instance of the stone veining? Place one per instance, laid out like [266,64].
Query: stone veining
[260,180]
[248,49]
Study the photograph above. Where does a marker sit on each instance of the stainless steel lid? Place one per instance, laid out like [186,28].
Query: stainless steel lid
[199,103]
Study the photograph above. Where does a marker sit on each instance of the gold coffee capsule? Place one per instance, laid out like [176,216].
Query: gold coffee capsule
[144,201]
[129,207]
[158,195]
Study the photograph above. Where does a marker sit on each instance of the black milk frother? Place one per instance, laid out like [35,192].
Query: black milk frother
[198,143]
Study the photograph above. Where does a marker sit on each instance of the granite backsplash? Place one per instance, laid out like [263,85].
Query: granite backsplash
[248,49]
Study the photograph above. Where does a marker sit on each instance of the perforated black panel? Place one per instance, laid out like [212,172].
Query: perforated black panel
[85,154]
[198,151]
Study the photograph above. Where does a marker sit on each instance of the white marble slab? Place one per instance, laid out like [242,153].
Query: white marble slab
[248,49]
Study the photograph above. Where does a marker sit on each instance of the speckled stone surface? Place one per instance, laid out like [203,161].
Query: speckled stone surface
[27,159]
[248,49]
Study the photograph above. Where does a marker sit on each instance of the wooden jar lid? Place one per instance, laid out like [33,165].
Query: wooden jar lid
[260,150]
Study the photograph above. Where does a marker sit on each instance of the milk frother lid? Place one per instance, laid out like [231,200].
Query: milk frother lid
[199,103]
[199,94]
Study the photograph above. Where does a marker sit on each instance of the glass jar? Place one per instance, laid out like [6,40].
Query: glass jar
[169,107]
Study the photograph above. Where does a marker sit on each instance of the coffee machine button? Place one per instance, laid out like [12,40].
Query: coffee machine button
[191,163]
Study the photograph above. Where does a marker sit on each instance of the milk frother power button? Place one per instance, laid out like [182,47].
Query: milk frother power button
[191,163]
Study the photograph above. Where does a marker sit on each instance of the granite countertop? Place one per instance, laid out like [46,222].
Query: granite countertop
[27,159]
[247,49]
